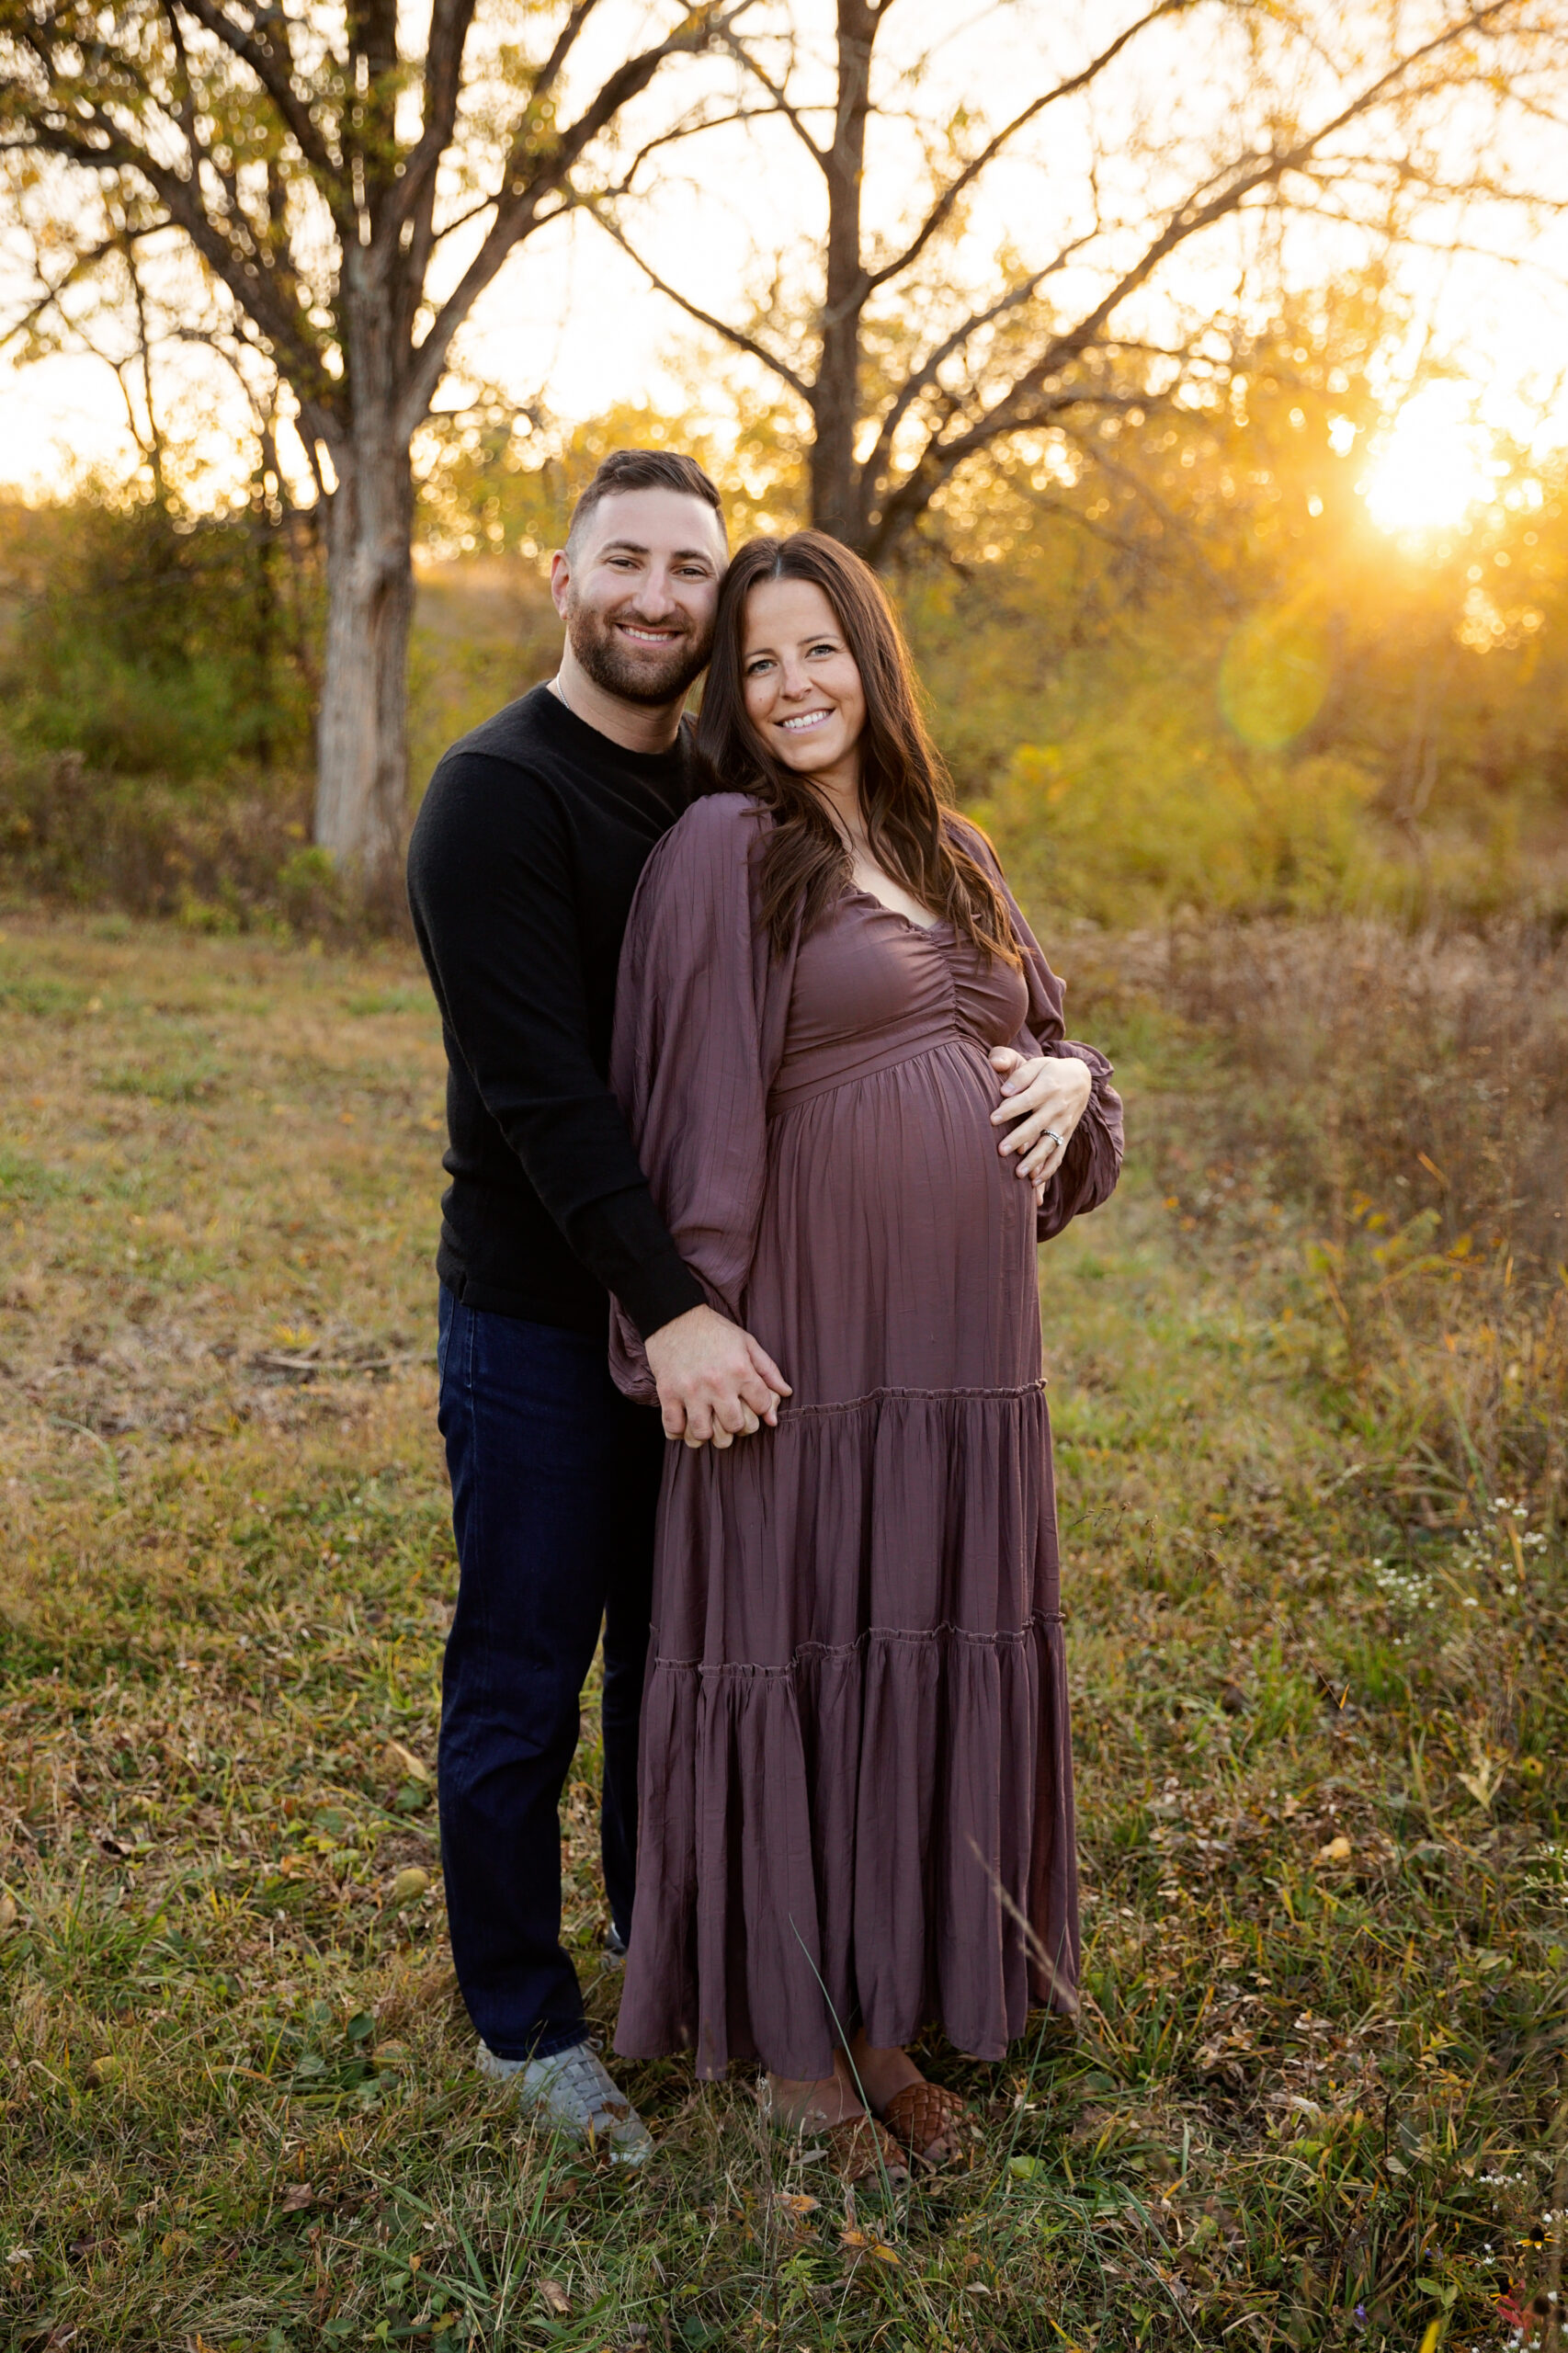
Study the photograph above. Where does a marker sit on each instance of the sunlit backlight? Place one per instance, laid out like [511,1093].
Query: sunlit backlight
[1432,469]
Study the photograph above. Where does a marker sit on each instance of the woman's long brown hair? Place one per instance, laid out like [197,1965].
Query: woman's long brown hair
[903,784]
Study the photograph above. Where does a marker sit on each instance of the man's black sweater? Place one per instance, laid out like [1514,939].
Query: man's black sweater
[521,871]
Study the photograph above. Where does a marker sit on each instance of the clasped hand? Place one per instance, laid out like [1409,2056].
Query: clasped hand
[1044,1096]
[715,1382]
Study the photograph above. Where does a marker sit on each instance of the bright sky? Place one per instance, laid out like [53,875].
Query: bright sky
[571,322]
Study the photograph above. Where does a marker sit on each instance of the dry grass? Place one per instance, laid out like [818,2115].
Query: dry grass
[1402,1102]
[1316,2097]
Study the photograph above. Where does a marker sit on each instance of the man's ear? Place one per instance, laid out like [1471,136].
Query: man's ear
[560,580]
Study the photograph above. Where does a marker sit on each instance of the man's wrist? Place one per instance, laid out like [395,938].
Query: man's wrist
[666,1288]
[661,1329]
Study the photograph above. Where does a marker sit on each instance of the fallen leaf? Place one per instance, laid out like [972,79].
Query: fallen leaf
[104,2070]
[1336,1851]
[1025,2168]
[410,1884]
[297,2197]
[398,1759]
[7,1913]
[554,2298]
[873,2246]
[795,2202]
[1487,1779]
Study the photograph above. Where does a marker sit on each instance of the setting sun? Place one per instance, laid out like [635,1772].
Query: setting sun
[1431,469]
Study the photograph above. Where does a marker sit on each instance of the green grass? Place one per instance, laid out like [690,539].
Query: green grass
[1317,2095]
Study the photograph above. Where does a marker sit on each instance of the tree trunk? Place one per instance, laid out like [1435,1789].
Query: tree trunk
[362,742]
[836,499]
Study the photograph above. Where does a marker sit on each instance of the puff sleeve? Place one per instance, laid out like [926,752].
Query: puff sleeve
[1092,1162]
[701,1008]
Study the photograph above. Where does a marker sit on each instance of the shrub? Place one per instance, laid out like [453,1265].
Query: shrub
[158,644]
[216,860]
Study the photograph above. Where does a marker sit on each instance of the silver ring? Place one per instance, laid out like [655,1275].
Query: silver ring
[1054,1137]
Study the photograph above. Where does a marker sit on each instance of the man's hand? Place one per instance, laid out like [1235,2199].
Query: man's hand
[1046,1096]
[715,1383]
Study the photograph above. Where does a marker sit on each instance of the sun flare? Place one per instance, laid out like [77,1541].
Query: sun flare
[1431,469]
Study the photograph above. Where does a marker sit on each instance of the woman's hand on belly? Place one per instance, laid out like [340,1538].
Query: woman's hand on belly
[1045,1096]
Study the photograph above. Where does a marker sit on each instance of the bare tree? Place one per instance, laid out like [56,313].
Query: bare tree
[1161,134]
[350,198]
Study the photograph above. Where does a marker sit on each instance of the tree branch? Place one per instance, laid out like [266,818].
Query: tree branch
[81,265]
[450,23]
[1166,517]
[939,459]
[252,290]
[942,209]
[275,75]
[516,214]
[794,116]
[691,129]
[926,374]
[735,336]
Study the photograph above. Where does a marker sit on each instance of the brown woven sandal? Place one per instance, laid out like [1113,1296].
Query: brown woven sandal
[922,2115]
[859,2149]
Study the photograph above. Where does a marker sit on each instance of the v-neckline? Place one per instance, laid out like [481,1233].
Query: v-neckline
[858,891]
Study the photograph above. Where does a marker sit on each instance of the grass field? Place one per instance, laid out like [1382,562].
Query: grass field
[1316,2097]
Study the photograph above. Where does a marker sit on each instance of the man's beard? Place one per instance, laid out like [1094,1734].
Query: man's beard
[608,664]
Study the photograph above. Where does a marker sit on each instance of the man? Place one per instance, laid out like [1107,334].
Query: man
[521,872]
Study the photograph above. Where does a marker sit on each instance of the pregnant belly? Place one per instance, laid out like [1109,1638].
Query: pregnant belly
[896,1248]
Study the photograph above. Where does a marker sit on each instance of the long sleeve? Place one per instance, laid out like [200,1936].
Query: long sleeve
[1092,1162]
[491,885]
[698,1031]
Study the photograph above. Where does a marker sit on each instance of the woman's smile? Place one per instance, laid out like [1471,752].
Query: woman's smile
[795,648]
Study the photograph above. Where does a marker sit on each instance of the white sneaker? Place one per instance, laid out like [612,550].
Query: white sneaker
[572,2093]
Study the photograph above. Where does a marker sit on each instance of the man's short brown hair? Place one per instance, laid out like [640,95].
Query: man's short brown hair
[643,469]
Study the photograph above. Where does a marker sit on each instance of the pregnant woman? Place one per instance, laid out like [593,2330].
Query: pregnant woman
[857,1791]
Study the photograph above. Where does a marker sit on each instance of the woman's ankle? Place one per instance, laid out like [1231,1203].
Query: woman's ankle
[881,2075]
[804,2104]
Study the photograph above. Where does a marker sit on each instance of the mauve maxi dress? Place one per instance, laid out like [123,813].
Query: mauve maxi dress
[854,1750]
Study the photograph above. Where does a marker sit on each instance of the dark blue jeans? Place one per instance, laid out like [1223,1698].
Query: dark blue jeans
[555,1477]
